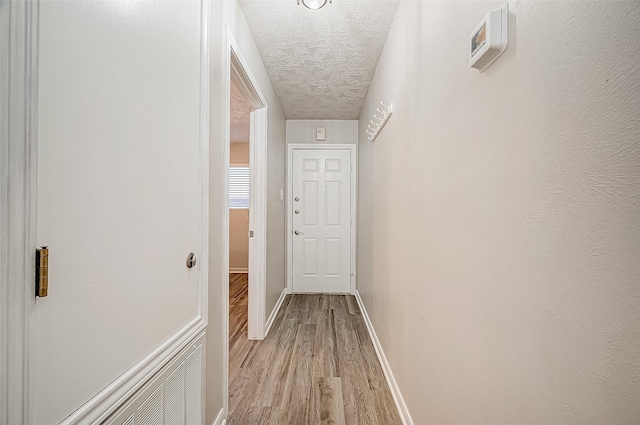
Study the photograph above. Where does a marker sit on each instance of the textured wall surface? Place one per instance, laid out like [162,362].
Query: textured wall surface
[227,15]
[336,131]
[499,227]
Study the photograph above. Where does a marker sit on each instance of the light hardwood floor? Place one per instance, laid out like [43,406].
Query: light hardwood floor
[316,366]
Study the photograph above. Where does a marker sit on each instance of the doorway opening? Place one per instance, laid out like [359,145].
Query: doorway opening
[239,210]
[247,161]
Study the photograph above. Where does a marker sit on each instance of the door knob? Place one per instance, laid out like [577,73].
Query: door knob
[297,212]
[191,260]
[297,232]
[296,199]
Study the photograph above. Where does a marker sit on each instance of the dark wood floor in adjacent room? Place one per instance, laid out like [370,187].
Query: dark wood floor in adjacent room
[316,366]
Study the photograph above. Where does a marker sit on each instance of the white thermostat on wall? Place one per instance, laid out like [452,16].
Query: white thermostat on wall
[489,39]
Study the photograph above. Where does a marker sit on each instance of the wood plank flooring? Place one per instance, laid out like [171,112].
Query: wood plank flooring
[317,366]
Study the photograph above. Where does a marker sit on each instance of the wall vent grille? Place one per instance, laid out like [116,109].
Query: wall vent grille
[193,387]
[150,412]
[174,396]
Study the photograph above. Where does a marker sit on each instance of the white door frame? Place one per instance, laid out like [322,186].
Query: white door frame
[247,84]
[354,205]
[18,196]
[241,75]
[18,155]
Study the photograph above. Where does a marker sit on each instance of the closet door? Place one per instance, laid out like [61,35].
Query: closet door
[119,190]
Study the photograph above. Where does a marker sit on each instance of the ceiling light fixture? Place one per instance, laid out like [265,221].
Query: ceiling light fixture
[314,4]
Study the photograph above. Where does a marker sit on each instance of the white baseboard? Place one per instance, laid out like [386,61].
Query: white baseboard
[220,419]
[405,417]
[274,313]
[238,270]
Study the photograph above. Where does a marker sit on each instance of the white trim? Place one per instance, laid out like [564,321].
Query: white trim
[225,225]
[18,155]
[237,68]
[107,401]
[238,270]
[403,411]
[220,419]
[205,76]
[243,78]
[258,224]
[203,264]
[354,205]
[274,313]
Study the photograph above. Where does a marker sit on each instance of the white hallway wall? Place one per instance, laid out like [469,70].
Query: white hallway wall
[228,14]
[500,217]
[337,131]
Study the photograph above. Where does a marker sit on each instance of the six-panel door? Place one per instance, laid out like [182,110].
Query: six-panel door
[321,219]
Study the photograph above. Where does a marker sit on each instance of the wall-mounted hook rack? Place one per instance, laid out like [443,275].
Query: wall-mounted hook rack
[374,128]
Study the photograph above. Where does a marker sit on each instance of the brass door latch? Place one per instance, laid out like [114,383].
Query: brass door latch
[42,272]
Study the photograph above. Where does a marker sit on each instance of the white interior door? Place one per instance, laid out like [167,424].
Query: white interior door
[119,190]
[321,220]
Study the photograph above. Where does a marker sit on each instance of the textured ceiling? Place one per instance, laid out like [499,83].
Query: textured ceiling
[240,113]
[320,62]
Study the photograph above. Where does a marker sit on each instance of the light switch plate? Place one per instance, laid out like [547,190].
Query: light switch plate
[321,134]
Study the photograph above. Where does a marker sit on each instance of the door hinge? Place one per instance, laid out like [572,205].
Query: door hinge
[42,272]
[250,233]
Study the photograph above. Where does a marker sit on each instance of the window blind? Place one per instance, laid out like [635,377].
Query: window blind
[239,187]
